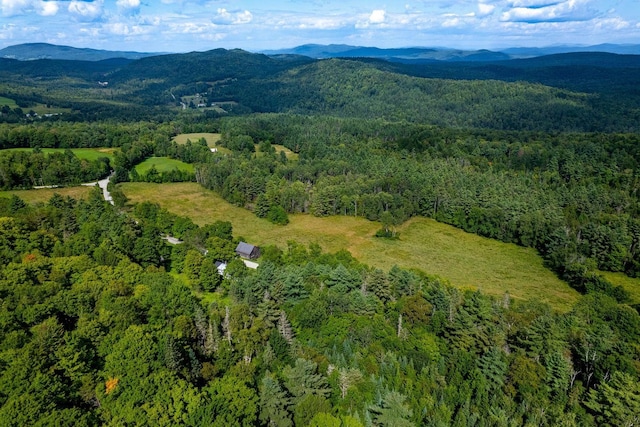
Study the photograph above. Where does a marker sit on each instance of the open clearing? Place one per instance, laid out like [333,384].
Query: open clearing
[81,153]
[630,284]
[211,138]
[8,102]
[162,164]
[290,154]
[466,260]
[44,194]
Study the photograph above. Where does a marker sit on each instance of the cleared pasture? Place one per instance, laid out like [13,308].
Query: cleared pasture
[211,138]
[630,284]
[8,102]
[162,164]
[42,195]
[81,153]
[466,260]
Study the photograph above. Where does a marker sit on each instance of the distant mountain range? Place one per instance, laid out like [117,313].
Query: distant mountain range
[33,51]
[425,55]
[412,54]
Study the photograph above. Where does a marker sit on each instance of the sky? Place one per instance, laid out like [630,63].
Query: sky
[255,25]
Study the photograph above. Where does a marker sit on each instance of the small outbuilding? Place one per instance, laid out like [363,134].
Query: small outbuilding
[247,251]
[221,266]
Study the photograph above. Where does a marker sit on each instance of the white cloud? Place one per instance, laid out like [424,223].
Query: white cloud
[225,17]
[192,28]
[377,16]
[48,8]
[320,23]
[537,11]
[86,11]
[14,7]
[485,9]
[124,29]
[534,3]
[128,4]
[451,22]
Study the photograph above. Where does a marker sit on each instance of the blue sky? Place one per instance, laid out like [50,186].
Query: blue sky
[188,25]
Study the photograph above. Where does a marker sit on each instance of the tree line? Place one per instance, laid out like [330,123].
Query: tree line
[573,197]
[23,169]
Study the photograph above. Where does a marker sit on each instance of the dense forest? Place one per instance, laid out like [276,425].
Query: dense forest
[103,322]
[569,92]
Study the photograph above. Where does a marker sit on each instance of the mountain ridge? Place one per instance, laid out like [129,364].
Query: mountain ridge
[35,51]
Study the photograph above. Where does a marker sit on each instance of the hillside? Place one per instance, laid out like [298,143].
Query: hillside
[435,250]
[572,92]
[408,54]
[33,51]
[432,54]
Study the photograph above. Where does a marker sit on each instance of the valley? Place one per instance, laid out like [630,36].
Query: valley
[443,237]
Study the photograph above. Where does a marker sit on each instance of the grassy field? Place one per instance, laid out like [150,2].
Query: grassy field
[162,164]
[468,261]
[8,102]
[212,138]
[82,153]
[44,194]
[290,154]
[630,284]
[41,109]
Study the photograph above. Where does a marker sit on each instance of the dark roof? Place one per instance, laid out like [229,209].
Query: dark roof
[244,249]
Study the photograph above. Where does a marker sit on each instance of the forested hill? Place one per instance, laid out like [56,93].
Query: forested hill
[31,51]
[574,92]
[590,72]
[356,89]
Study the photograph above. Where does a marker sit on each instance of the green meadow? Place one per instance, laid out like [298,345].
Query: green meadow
[42,195]
[162,164]
[211,138]
[8,102]
[81,153]
[630,284]
[466,260]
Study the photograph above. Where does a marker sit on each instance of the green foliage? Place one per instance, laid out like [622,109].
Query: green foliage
[274,403]
[22,169]
[94,331]
[616,403]
[277,215]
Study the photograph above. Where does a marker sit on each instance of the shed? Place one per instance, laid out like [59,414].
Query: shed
[221,266]
[245,250]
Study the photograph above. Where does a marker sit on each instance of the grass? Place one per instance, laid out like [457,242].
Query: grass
[162,164]
[41,109]
[290,154]
[81,153]
[466,260]
[211,138]
[8,102]
[44,194]
[630,284]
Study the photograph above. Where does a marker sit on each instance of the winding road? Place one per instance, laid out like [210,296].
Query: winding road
[103,183]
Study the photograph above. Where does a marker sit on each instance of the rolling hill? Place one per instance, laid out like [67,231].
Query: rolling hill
[33,51]
[564,92]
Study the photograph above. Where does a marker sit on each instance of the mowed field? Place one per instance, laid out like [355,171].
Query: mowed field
[162,164]
[8,102]
[466,260]
[42,195]
[81,153]
[211,138]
